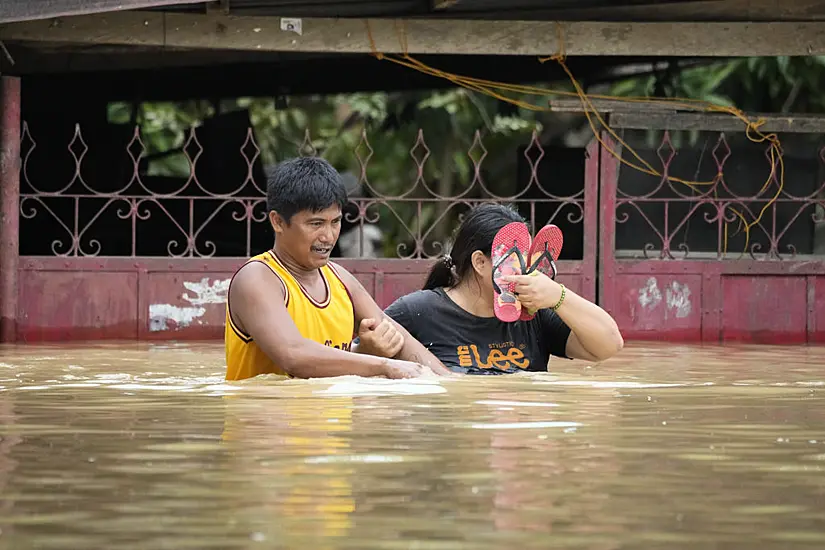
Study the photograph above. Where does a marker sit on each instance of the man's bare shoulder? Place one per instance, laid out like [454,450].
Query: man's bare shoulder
[346,277]
[255,277]
[338,268]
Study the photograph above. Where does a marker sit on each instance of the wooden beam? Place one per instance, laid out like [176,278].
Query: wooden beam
[657,116]
[28,10]
[603,106]
[715,122]
[32,61]
[426,36]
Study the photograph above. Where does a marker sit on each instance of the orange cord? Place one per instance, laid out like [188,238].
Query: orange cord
[494,89]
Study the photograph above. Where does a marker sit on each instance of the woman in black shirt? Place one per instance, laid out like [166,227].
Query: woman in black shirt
[453,315]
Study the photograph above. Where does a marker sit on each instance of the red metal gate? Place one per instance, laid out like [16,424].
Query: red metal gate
[109,252]
[674,262]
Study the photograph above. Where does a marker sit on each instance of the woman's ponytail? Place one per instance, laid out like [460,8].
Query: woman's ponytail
[441,274]
[476,232]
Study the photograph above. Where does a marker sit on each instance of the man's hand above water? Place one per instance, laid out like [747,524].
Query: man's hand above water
[394,368]
[380,338]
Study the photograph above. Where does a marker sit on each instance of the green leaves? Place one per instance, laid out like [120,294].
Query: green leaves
[754,84]
[335,124]
[761,84]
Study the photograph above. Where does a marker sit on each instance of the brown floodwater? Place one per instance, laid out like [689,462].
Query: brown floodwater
[122,446]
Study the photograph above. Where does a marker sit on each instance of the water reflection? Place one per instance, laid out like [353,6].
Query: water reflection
[289,451]
[8,440]
[145,446]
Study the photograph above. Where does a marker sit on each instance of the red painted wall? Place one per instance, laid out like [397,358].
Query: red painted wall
[157,299]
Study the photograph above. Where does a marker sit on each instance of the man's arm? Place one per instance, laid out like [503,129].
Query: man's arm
[257,307]
[378,337]
[366,308]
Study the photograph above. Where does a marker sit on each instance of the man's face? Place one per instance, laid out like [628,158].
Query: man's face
[310,236]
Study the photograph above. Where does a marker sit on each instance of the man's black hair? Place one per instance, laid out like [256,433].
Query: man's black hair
[303,183]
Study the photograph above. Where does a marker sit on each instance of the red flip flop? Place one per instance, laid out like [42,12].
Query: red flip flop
[509,247]
[544,252]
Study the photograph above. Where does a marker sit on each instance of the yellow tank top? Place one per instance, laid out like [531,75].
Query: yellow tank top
[330,322]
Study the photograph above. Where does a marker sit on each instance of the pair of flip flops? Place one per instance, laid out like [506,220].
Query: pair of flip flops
[511,245]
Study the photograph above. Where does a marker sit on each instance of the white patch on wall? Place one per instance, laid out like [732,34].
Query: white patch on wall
[206,293]
[678,298]
[199,294]
[160,316]
[649,295]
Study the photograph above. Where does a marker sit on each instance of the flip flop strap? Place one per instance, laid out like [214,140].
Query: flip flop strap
[542,256]
[510,251]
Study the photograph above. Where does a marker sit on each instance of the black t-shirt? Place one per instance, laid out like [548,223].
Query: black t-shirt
[479,345]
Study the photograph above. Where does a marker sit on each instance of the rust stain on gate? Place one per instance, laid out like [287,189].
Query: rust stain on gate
[120,254]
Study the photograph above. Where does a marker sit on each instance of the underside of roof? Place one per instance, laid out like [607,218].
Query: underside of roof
[571,10]
[149,47]
[581,10]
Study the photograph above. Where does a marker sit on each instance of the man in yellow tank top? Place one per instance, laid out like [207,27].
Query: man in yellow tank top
[291,311]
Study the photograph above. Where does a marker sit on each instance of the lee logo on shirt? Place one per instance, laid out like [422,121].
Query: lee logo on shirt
[499,357]
[345,347]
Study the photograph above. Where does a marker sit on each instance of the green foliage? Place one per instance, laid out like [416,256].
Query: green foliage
[333,126]
[752,84]
[164,127]
[761,84]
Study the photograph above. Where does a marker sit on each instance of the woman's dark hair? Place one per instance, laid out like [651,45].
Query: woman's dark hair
[476,232]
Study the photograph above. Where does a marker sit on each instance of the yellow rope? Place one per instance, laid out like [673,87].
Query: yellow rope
[494,89]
